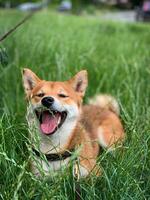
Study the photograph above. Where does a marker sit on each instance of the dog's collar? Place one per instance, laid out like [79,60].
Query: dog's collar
[54,156]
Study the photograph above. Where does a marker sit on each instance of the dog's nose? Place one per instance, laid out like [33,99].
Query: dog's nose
[47,101]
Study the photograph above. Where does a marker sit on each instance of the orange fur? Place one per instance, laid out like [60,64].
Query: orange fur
[95,123]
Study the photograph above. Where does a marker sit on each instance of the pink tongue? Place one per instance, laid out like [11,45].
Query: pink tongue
[49,122]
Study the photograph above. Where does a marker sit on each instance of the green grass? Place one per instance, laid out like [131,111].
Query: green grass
[117,57]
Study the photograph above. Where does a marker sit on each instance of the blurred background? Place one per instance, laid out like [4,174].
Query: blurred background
[123,10]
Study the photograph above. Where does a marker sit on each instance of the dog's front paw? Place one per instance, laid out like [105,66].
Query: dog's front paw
[80,171]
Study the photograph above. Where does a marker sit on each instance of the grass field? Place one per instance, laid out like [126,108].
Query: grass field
[117,57]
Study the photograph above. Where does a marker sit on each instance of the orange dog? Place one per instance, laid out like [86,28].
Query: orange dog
[60,124]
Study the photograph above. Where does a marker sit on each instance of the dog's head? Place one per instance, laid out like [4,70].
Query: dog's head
[54,103]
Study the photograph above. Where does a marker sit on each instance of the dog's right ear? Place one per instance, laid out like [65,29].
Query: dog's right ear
[30,80]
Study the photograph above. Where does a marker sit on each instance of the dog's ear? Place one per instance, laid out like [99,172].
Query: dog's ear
[79,82]
[30,80]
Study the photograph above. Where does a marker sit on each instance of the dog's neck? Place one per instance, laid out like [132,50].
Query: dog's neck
[59,140]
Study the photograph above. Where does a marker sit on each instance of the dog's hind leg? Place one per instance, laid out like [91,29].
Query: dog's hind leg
[110,137]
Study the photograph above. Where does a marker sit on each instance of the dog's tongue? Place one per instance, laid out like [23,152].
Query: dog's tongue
[49,122]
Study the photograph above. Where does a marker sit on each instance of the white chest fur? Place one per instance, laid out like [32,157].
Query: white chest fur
[39,165]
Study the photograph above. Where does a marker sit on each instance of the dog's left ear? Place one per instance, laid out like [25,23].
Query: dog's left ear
[79,82]
[30,80]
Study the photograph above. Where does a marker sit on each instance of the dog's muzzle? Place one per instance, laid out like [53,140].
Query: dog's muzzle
[50,118]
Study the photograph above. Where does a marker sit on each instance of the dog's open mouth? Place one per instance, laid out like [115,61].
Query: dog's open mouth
[50,120]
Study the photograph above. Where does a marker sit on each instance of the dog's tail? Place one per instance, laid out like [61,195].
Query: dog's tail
[106,102]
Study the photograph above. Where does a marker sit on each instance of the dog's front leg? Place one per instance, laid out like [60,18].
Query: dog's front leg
[86,163]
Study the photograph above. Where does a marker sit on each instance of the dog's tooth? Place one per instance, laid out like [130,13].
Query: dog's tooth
[59,120]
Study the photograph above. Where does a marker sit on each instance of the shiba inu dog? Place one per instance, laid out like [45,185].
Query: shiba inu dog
[62,124]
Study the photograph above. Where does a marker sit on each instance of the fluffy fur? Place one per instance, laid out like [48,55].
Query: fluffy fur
[85,128]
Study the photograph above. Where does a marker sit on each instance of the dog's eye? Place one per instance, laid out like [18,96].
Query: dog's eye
[63,95]
[40,95]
